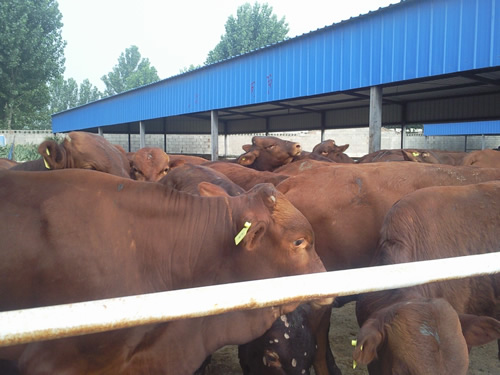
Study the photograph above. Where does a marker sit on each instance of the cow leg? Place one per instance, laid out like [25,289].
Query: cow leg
[324,362]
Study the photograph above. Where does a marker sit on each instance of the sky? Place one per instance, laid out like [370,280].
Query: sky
[174,34]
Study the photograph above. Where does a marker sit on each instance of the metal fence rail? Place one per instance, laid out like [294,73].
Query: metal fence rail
[23,326]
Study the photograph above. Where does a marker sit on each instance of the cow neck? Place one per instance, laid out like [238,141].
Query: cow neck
[67,157]
[197,230]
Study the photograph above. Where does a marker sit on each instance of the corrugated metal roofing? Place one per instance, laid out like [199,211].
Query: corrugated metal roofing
[463,128]
[410,40]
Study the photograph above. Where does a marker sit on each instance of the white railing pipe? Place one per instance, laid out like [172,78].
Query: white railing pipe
[23,326]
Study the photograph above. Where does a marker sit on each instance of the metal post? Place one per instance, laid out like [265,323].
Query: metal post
[142,132]
[375,124]
[225,139]
[323,125]
[100,132]
[165,134]
[129,138]
[483,142]
[214,134]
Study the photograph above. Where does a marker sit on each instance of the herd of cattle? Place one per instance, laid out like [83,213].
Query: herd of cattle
[154,222]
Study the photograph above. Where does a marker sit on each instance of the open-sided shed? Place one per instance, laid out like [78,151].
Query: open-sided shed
[418,61]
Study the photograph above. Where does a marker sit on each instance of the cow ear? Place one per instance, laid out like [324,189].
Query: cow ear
[479,330]
[343,148]
[207,189]
[248,158]
[246,148]
[370,338]
[176,163]
[251,239]
[53,154]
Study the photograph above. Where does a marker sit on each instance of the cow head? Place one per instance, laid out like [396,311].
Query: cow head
[149,164]
[420,336]
[87,151]
[330,150]
[268,153]
[271,237]
[420,156]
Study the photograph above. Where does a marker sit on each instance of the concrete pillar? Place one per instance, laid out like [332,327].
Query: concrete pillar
[214,134]
[375,124]
[142,132]
[100,131]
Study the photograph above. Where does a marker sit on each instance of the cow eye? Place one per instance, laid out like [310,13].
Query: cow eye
[165,171]
[270,147]
[298,242]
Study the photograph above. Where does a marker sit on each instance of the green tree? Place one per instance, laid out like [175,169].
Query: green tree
[88,93]
[189,68]
[129,73]
[63,94]
[31,54]
[253,27]
[66,94]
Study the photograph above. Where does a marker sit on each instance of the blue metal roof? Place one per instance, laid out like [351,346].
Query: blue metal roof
[463,128]
[409,40]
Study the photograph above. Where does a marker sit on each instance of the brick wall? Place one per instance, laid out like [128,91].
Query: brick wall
[200,144]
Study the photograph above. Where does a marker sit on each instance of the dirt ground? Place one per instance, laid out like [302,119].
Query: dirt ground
[483,360]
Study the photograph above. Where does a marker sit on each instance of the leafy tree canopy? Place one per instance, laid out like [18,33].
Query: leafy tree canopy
[66,94]
[253,27]
[130,72]
[31,54]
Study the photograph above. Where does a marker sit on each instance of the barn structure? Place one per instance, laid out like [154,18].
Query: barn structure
[414,62]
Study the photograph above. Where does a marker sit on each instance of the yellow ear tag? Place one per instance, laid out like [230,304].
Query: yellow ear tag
[47,151]
[242,233]
[415,153]
[354,343]
[46,164]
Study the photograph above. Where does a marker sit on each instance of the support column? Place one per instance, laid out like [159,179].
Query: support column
[129,138]
[403,124]
[100,131]
[225,139]
[214,134]
[142,133]
[165,134]
[375,124]
[323,126]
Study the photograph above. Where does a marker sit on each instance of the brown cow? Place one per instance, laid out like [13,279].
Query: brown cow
[187,177]
[268,153]
[131,237]
[148,164]
[421,336]
[416,155]
[300,166]
[331,151]
[246,177]
[346,204]
[79,150]
[432,223]
[7,163]
[178,159]
[483,158]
